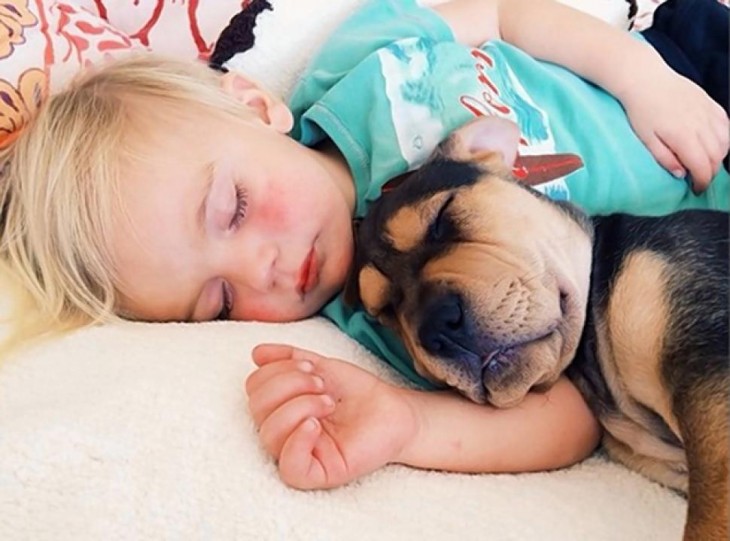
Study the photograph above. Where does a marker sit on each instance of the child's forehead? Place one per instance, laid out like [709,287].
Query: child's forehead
[163,134]
[183,132]
[173,117]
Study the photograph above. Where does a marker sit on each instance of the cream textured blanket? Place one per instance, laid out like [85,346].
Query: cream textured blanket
[141,431]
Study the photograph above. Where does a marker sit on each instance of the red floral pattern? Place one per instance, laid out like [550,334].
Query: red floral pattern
[150,23]
[15,17]
[18,102]
[43,43]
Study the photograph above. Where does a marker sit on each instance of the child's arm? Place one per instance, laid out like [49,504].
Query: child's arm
[328,422]
[674,118]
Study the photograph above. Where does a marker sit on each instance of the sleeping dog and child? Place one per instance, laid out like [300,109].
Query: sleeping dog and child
[160,190]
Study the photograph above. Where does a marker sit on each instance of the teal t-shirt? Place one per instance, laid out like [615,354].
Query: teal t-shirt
[391,83]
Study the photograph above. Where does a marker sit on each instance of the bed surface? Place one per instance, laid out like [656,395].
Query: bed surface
[141,431]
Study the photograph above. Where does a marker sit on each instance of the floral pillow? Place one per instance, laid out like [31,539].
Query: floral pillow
[182,28]
[43,43]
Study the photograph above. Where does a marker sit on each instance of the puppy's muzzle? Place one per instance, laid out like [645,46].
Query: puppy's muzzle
[443,331]
[446,331]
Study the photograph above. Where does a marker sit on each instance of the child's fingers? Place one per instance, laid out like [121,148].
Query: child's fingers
[701,150]
[716,149]
[721,125]
[692,159]
[723,136]
[709,163]
[260,376]
[310,458]
[264,399]
[701,169]
[278,426]
[665,156]
[298,467]
[267,353]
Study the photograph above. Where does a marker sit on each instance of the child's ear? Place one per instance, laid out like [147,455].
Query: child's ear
[267,107]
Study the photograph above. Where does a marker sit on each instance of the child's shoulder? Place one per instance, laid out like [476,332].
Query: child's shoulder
[376,24]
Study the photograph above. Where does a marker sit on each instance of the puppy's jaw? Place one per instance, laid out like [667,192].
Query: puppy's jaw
[494,358]
[524,368]
[514,257]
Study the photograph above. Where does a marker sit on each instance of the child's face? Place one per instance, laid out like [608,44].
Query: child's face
[239,222]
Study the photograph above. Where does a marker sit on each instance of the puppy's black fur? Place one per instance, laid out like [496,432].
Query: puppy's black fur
[664,407]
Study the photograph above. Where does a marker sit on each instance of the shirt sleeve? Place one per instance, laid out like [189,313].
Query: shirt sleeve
[377,339]
[373,26]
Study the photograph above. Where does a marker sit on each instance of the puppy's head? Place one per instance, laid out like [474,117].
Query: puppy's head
[484,279]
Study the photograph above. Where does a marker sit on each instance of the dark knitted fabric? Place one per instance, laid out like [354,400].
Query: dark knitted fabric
[692,37]
[238,36]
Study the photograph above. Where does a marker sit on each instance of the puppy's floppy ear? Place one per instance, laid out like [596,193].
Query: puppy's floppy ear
[351,292]
[490,140]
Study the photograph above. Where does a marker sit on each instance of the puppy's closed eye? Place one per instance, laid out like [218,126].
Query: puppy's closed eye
[442,226]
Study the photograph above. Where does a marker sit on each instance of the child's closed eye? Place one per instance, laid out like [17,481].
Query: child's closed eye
[239,212]
[226,302]
[226,204]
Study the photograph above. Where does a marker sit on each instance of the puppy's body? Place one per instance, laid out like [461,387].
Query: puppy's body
[653,359]
[497,290]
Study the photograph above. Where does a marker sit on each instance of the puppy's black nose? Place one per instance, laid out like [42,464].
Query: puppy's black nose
[443,328]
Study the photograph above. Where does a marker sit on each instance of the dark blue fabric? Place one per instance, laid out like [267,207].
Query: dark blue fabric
[692,37]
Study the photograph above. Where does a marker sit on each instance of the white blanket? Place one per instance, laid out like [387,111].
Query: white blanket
[141,432]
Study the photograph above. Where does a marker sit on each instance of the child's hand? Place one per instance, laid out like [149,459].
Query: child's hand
[679,123]
[326,421]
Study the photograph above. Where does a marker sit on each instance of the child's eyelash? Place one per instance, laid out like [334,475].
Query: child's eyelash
[227,304]
[241,207]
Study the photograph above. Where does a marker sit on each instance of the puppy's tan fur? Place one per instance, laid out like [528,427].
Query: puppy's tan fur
[496,291]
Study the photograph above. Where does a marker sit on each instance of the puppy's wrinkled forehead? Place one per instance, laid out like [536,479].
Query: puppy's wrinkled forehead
[412,224]
[420,217]
[399,218]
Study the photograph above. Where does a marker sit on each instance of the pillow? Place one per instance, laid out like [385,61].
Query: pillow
[42,44]
[184,29]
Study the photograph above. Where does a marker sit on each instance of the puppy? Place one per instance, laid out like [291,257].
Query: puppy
[496,290]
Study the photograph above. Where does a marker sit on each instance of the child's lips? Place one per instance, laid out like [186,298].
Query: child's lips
[308,273]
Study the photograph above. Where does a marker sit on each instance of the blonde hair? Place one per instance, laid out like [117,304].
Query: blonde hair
[59,186]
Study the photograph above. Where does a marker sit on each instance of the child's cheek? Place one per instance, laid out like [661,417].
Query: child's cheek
[257,314]
[264,313]
[273,212]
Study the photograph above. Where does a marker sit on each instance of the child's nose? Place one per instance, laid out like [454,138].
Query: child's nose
[259,267]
